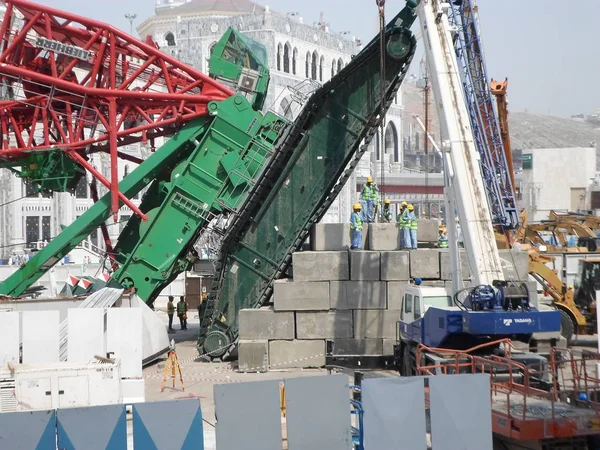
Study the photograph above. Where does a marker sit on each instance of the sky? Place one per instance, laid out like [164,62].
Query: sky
[548,49]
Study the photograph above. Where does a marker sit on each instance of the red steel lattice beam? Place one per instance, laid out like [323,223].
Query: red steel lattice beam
[82,86]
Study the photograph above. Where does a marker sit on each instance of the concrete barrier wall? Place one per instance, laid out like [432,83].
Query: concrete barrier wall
[352,298]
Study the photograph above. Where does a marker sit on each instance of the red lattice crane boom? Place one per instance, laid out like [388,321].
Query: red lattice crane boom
[76,86]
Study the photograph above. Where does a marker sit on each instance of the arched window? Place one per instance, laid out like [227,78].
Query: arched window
[170,38]
[340,64]
[294,61]
[333,63]
[126,170]
[279,51]
[285,109]
[391,141]
[314,65]
[287,48]
[321,64]
[307,71]
[377,147]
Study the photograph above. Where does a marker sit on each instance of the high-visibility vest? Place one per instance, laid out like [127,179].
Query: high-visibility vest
[413,221]
[370,192]
[402,219]
[357,225]
[181,308]
[170,308]
[442,241]
[387,214]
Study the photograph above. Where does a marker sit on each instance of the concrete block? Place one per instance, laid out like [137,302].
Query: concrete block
[290,295]
[364,265]
[358,346]
[425,263]
[253,356]
[388,346]
[265,323]
[376,324]
[434,283]
[358,294]
[445,265]
[296,354]
[395,291]
[321,266]
[515,264]
[334,236]
[384,236]
[324,325]
[395,266]
[428,230]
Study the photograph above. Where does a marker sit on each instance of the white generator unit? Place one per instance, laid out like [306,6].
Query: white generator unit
[28,387]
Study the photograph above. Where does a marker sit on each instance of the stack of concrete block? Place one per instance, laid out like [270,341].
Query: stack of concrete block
[351,298]
[376,236]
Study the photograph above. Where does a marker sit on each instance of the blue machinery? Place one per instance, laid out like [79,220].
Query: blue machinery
[478,96]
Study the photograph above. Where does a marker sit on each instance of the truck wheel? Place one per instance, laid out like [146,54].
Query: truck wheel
[407,369]
[567,327]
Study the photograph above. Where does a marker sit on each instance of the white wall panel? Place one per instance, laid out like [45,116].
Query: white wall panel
[40,337]
[85,334]
[9,337]
[124,339]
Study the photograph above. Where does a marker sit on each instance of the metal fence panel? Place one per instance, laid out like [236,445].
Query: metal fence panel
[248,416]
[93,428]
[28,430]
[461,412]
[168,425]
[394,415]
[318,413]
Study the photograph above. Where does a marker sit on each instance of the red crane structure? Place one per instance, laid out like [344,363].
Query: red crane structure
[75,86]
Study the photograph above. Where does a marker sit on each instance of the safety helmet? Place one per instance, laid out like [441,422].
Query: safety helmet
[369,179]
[404,204]
[440,228]
[356,206]
[387,201]
[411,207]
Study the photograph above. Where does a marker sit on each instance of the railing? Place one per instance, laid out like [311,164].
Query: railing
[563,394]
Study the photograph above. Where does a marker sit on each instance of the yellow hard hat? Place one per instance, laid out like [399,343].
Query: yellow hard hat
[403,204]
[369,179]
[441,229]
[387,201]
[411,207]
[356,206]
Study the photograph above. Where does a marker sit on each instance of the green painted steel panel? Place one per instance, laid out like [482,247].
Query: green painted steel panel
[314,162]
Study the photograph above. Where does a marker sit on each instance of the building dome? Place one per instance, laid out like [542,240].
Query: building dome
[209,7]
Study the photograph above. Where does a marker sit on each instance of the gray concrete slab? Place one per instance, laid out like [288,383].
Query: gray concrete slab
[321,266]
[384,236]
[445,265]
[425,263]
[358,295]
[296,354]
[395,266]
[364,265]
[265,323]
[428,230]
[290,295]
[253,356]
[358,346]
[395,291]
[334,236]
[376,324]
[324,325]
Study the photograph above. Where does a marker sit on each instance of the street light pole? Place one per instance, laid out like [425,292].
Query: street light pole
[131,18]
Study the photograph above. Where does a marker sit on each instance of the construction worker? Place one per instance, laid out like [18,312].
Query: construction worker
[403,225]
[386,213]
[182,313]
[356,227]
[412,225]
[442,238]
[170,312]
[370,195]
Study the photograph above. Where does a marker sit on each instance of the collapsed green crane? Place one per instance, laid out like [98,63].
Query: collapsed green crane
[269,178]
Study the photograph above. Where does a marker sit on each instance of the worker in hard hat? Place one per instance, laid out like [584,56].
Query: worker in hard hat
[404,225]
[356,227]
[413,224]
[386,212]
[370,196]
[442,238]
